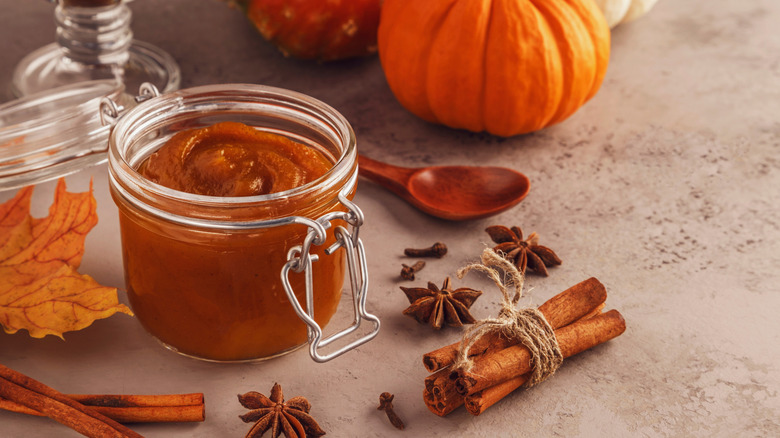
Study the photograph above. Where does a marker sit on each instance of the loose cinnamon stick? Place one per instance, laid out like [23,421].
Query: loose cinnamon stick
[564,308]
[29,392]
[133,408]
[511,362]
[135,400]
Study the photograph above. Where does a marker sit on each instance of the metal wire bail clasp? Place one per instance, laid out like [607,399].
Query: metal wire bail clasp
[111,111]
[299,259]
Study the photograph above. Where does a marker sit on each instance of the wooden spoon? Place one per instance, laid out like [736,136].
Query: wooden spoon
[450,192]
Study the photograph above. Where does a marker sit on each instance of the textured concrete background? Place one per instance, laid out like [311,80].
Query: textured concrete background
[665,187]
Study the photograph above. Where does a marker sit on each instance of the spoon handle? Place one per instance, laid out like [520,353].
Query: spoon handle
[394,178]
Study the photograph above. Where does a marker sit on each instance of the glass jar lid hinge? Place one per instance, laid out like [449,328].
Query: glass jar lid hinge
[110,110]
[299,259]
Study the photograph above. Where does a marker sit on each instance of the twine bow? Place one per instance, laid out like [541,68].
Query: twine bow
[528,325]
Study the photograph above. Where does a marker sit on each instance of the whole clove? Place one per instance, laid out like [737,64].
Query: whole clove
[437,250]
[386,404]
[407,272]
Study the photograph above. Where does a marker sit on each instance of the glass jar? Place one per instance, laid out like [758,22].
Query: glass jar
[223,278]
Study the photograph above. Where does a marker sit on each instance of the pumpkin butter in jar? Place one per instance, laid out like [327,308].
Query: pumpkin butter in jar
[205,202]
[233,159]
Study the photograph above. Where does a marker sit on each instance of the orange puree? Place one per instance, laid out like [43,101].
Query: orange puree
[216,293]
[233,159]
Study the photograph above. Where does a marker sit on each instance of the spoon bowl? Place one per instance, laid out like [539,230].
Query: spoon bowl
[450,192]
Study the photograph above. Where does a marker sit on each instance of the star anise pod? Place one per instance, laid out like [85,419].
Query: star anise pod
[291,419]
[436,306]
[523,253]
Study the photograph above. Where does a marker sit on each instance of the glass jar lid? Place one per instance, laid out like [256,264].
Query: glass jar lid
[54,133]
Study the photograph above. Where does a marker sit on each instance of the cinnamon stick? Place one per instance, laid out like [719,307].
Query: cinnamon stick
[17,387]
[574,303]
[439,407]
[133,408]
[440,395]
[564,308]
[594,312]
[479,401]
[514,361]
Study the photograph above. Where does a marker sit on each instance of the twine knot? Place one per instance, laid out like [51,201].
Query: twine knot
[526,324]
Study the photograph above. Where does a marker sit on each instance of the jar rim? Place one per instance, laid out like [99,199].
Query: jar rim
[121,170]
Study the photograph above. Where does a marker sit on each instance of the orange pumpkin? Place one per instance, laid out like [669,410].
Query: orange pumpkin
[317,29]
[502,66]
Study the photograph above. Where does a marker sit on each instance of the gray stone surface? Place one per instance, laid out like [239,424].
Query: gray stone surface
[665,187]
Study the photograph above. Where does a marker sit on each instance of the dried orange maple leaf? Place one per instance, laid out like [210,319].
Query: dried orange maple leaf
[40,289]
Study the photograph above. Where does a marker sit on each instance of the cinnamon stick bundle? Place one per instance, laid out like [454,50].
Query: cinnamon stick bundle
[503,366]
[29,392]
[564,308]
[568,306]
[574,338]
[133,408]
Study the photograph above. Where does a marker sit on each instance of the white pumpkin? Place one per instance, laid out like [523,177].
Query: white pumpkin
[622,11]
